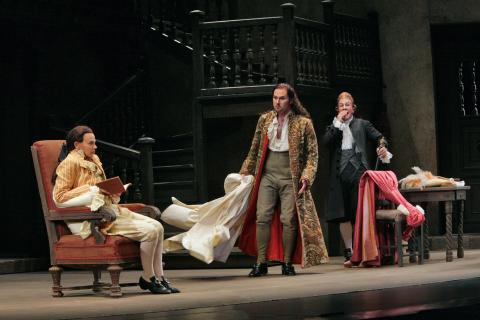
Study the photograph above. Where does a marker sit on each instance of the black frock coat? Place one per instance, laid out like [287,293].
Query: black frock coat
[362,131]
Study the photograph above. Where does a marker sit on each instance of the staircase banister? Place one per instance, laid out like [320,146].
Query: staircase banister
[240,23]
[312,23]
[111,147]
[110,97]
[118,150]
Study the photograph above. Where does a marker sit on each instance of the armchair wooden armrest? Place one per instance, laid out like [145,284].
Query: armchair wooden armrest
[84,213]
[151,211]
[75,216]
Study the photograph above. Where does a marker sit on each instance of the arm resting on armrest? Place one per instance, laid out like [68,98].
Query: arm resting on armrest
[150,211]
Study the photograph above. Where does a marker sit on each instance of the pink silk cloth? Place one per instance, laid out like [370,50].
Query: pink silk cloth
[366,240]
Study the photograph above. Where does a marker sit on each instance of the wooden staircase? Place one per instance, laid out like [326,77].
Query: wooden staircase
[174,173]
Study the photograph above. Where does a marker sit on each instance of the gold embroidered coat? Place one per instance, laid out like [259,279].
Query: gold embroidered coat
[303,152]
[75,175]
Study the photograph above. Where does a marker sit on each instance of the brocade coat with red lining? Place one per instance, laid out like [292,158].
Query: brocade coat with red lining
[303,151]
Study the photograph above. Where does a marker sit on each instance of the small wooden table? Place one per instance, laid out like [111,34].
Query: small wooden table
[447,195]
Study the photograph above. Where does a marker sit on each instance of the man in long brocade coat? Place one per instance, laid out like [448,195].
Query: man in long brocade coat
[281,223]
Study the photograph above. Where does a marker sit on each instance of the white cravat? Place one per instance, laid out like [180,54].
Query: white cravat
[278,144]
[347,140]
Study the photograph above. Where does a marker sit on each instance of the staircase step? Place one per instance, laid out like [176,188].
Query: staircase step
[173,184]
[172,151]
[178,172]
[184,195]
[182,190]
[173,156]
[179,141]
[174,167]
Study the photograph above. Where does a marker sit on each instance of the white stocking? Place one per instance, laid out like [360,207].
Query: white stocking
[147,254]
[346,230]
[157,258]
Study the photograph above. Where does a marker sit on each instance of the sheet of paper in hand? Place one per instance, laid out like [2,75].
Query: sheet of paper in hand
[113,185]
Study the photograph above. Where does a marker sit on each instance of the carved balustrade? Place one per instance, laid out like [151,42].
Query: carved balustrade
[357,55]
[132,166]
[246,54]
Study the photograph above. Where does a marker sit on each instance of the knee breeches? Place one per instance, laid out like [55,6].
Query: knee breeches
[276,186]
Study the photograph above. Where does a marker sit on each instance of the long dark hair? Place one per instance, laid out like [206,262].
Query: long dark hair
[295,103]
[74,135]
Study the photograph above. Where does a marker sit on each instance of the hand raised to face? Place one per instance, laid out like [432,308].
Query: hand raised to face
[345,109]
[343,115]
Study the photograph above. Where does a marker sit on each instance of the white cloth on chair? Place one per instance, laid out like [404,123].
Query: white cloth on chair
[213,227]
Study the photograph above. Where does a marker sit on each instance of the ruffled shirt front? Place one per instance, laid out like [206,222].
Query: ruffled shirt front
[347,137]
[347,140]
[278,144]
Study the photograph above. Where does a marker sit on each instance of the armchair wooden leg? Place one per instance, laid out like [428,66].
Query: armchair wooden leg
[56,273]
[115,290]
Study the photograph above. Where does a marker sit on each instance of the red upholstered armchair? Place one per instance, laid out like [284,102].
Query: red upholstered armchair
[70,250]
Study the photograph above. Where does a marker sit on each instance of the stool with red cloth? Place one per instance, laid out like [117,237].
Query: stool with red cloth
[372,243]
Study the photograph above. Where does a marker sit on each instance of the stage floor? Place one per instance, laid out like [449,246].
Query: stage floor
[323,292]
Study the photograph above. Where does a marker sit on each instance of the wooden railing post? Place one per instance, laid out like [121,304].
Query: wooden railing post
[329,18]
[373,40]
[146,164]
[288,61]
[198,72]
[328,11]
[200,182]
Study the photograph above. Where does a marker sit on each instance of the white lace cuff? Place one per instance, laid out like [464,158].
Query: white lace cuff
[338,124]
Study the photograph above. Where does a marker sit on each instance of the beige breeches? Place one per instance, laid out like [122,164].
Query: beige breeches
[276,185]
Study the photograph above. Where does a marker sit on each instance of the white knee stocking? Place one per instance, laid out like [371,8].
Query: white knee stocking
[157,258]
[147,254]
[346,230]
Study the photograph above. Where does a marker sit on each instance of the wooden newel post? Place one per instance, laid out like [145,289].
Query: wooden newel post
[197,115]
[145,144]
[329,18]
[328,11]
[288,61]
[197,17]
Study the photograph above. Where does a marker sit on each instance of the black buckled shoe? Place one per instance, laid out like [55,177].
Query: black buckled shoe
[258,270]
[347,253]
[154,286]
[288,269]
[164,282]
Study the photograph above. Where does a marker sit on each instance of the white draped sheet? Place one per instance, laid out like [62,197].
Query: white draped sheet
[213,227]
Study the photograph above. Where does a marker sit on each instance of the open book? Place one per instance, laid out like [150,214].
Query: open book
[113,185]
